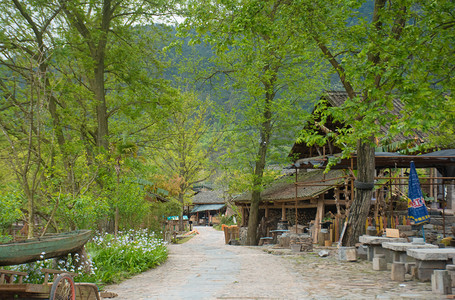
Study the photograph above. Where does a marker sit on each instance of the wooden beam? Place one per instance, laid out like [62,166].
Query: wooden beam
[333,202]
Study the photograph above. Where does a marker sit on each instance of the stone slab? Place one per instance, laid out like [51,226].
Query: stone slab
[405,246]
[378,240]
[431,264]
[432,254]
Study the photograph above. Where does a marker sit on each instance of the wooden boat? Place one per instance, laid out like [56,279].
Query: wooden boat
[48,246]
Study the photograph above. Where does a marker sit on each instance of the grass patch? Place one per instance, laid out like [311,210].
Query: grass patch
[182,240]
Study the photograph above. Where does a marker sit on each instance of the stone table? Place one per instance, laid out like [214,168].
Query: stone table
[400,265]
[428,260]
[374,244]
[399,249]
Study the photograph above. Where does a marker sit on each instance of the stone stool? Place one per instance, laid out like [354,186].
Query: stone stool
[398,271]
[379,262]
[451,270]
[441,282]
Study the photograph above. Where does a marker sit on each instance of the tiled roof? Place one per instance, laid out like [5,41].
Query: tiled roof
[284,188]
[209,197]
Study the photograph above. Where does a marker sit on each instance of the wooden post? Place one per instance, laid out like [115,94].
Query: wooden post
[319,217]
[337,228]
[243,216]
[283,212]
[296,195]
[337,199]
[296,218]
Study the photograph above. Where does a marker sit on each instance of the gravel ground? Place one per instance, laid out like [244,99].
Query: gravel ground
[206,268]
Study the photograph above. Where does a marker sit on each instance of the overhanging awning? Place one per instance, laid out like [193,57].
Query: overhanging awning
[205,207]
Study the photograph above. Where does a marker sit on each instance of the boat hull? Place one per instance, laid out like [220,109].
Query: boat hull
[43,248]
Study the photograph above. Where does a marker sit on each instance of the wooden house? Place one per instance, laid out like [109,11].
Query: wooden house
[207,205]
[300,200]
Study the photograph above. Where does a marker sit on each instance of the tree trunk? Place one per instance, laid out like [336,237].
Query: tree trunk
[31,214]
[101,108]
[266,129]
[181,213]
[253,219]
[358,212]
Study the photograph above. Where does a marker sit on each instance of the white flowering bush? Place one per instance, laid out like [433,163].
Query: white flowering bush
[108,260]
[131,253]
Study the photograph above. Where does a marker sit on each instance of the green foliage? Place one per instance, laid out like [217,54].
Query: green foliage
[228,221]
[188,143]
[69,88]
[81,212]
[270,76]
[160,211]
[109,260]
[11,200]
[403,56]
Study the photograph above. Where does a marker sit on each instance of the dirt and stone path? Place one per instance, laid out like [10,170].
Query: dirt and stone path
[206,268]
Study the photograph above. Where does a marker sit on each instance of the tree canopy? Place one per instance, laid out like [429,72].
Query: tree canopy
[100,109]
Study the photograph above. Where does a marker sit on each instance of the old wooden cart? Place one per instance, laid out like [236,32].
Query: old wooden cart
[57,284]
[62,287]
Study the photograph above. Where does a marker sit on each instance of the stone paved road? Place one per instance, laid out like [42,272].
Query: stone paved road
[206,268]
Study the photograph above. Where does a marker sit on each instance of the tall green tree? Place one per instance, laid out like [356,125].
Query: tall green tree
[101,32]
[26,90]
[378,57]
[187,144]
[259,53]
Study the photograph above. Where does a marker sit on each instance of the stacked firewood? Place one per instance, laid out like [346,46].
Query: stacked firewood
[304,216]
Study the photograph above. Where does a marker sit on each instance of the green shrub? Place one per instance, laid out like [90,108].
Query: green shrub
[10,204]
[109,260]
[224,220]
[133,252]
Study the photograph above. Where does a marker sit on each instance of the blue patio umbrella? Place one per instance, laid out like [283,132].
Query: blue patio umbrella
[417,210]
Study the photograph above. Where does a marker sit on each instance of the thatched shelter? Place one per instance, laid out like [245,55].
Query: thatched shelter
[207,205]
[300,200]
